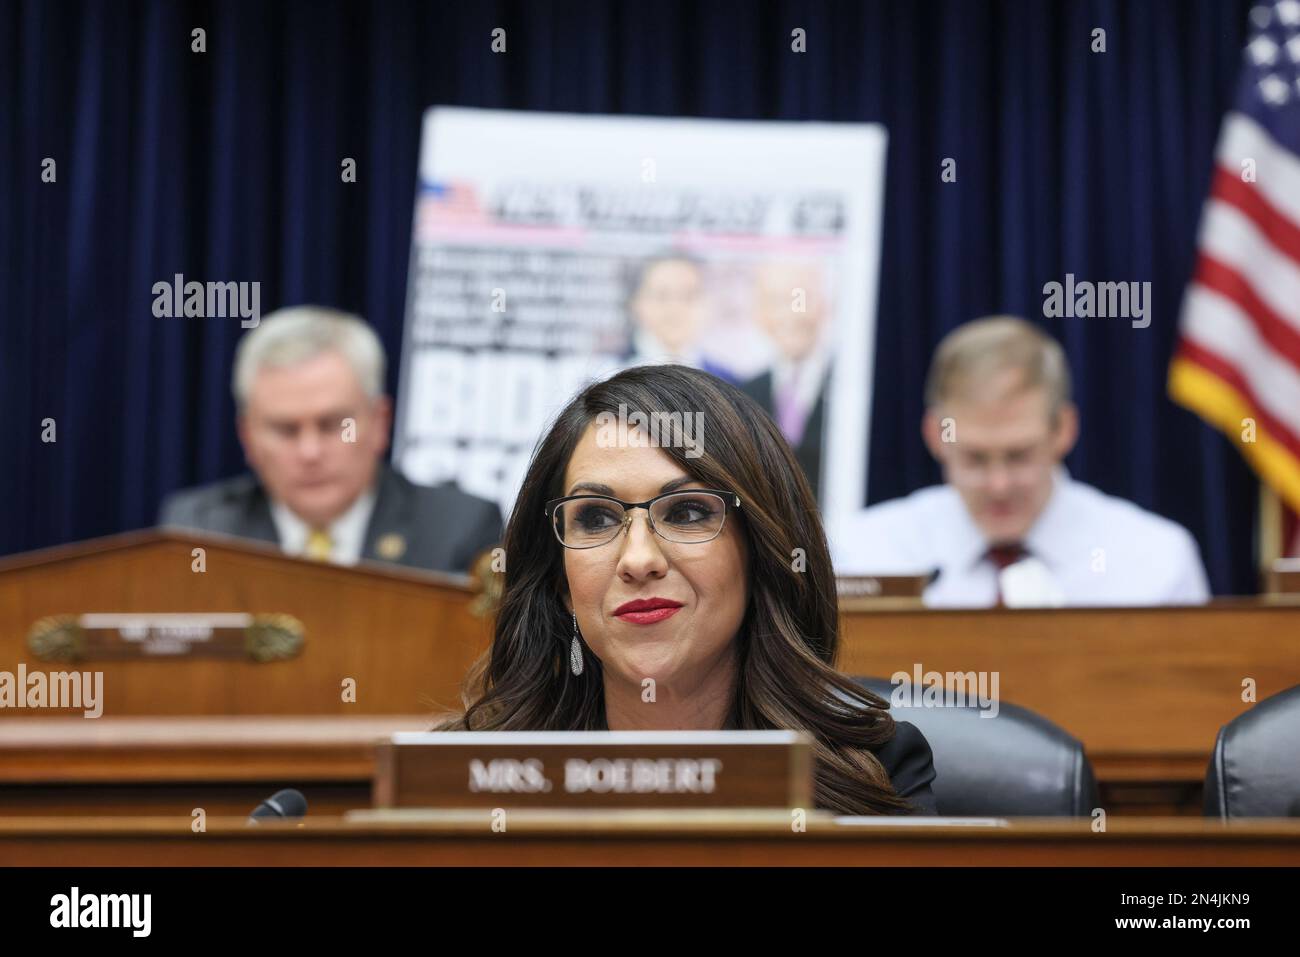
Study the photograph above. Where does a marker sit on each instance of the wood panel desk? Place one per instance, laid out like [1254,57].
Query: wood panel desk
[1145,689]
[405,638]
[170,766]
[627,838]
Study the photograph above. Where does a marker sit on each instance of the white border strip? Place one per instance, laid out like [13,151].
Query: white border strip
[585,738]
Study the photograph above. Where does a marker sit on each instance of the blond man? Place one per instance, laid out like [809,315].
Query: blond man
[1009,526]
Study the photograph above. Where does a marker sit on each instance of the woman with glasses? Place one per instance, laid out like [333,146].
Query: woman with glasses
[673,575]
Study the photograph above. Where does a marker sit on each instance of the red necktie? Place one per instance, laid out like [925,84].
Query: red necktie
[1001,556]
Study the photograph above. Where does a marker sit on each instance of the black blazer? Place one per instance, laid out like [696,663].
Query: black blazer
[907,759]
[440,528]
[809,450]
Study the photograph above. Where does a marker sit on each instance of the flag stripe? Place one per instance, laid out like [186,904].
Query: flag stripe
[1249,400]
[1230,284]
[1218,326]
[1219,403]
[1277,170]
[1281,232]
[1234,239]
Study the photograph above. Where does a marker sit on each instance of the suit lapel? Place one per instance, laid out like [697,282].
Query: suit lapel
[391,521]
[257,523]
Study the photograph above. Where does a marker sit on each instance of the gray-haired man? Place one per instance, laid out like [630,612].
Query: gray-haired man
[314,423]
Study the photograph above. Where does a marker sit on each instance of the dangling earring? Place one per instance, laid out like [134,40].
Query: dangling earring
[575,649]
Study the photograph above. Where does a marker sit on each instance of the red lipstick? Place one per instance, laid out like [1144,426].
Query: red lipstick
[647,611]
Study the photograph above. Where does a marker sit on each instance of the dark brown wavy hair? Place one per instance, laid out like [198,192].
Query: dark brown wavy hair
[788,637]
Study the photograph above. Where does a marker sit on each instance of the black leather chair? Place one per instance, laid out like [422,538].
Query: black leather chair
[1016,764]
[1255,768]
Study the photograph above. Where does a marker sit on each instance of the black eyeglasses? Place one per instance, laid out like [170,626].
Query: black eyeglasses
[691,517]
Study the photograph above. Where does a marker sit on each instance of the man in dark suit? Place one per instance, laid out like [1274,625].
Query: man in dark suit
[808,445]
[792,310]
[314,423]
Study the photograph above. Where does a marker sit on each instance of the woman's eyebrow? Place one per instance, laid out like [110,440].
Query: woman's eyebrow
[597,488]
[676,483]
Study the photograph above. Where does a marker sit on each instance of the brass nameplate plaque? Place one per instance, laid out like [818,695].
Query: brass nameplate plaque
[1283,578]
[881,586]
[607,769]
[124,637]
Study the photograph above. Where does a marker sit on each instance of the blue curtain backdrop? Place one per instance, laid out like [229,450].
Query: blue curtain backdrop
[225,165]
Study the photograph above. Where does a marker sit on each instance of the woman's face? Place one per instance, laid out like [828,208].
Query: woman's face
[708,579]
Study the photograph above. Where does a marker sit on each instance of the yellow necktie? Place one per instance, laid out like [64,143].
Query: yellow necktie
[319,546]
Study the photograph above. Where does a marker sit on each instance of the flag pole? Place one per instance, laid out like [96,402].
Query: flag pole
[1270,534]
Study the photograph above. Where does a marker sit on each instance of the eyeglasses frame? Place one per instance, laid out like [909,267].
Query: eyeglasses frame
[730,500]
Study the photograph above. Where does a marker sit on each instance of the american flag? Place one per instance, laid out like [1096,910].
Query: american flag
[1237,363]
[444,204]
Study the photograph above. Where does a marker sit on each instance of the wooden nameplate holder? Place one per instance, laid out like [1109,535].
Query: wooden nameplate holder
[596,769]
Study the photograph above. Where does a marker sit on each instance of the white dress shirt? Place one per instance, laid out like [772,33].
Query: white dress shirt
[1086,548]
[647,349]
[347,532]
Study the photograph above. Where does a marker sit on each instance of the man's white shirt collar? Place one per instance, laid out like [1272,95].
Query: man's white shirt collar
[1051,538]
[347,532]
[648,350]
[1047,539]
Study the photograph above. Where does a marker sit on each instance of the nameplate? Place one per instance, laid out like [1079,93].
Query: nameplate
[114,637]
[881,586]
[1283,578]
[605,769]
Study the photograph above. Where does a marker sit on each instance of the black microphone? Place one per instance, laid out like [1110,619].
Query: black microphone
[283,805]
